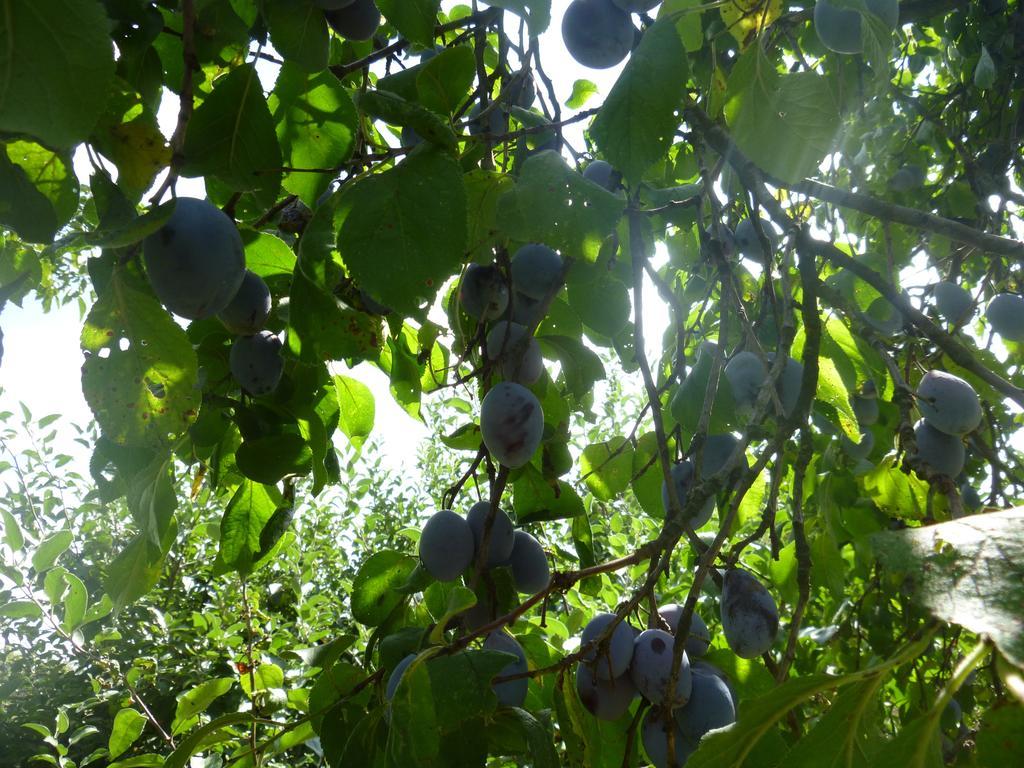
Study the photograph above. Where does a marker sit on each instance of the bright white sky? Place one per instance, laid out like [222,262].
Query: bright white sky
[42,361]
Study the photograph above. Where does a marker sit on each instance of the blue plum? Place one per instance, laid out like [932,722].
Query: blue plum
[745,373]
[530,570]
[511,423]
[536,271]
[948,403]
[604,699]
[499,547]
[651,669]
[519,352]
[483,292]
[256,362]
[1005,313]
[682,475]
[247,312]
[195,261]
[614,662]
[654,736]
[446,545]
[942,452]
[710,706]
[511,693]
[699,638]
[597,33]
[750,618]
[953,302]
[357,20]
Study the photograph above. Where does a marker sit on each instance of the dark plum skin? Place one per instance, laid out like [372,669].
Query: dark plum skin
[748,243]
[682,475]
[953,302]
[699,638]
[483,292]
[332,5]
[256,362]
[614,662]
[745,373]
[710,706]
[651,669]
[530,570]
[654,736]
[396,676]
[750,618]
[636,6]
[446,545]
[521,358]
[1005,313]
[195,261]
[511,423]
[948,403]
[536,271]
[944,453]
[602,174]
[499,547]
[357,20]
[247,312]
[604,699]
[717,452]
[513,692]
[597,33]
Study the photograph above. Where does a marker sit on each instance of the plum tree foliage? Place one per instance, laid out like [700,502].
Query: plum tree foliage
[723,466]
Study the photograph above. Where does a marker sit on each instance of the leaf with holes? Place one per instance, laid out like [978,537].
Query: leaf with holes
[140,370]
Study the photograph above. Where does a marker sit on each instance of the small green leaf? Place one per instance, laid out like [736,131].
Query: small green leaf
[459,599]
[357,409]
[270,459]
[373,589]
[244,519]
[607,467]
[49,549]
[188,746]
[414,19]
[443,81]
[582,90]
[298,31]
[21,609]
[985,71]
[128,726]
[195,700]
[23,208]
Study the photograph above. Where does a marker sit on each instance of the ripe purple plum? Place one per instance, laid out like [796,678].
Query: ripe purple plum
[604,699]
[614,662]
[953,302]
[195,261]
[357,20]
[483,292]
[597,33]
[699,638]
[247,312]
[654,736]
[530,570]
[511,423]
[521,358]
[750,618]
[710,706]
[943,452]
[1005,313]
[256,362]
[948,403]
[682,475]
[745,373]
[499,547]
[651,669]
[511,693]
[536,271]
[601,173]
[446,545]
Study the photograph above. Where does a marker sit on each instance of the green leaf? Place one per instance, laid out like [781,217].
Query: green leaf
[460,599]
[582,90]
[414,19]
[23,207]
[404,230]
[541,748]
[56,69]
[553,204]
[263,678]
[49,549]
[836,740]
[985,71]
[483,191]
[298,31]
[357,409]
[196,700]
[321,328]
[535,499]
[537,13]
[144,395]
[13,536]
[581,366]
[916,745]
[137,568]
[247,513]
[128,726]
[833,391]
[141,761]
[396,110]
[603,304]
[443,82]
[1000,738]
[270,459]
[785,123]
[188,746]
[266,255]
[231,135]
[653,85]
[373,589]
[968,572]
[316,123]
[75,603]
[51,173]
[607,467]
[21,609]
[895,493]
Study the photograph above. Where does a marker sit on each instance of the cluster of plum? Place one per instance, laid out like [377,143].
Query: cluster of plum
[599,33]
[449,543]
[511,417]
[1005,311]
[620,663]
[196,265]
[352,19]
[839,28]
[950,409]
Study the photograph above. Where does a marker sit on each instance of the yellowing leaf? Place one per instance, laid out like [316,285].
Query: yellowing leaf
[746,19]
